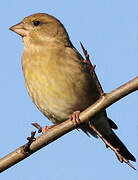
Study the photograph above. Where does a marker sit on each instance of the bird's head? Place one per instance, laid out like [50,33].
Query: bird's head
[41,27]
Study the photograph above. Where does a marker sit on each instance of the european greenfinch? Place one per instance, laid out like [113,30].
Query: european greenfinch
[57,79]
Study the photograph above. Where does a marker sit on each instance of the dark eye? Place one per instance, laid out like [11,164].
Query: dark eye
[36,23]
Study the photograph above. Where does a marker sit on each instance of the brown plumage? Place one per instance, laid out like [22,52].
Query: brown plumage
[57,79]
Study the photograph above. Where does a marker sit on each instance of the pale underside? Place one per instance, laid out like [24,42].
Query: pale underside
[65,91]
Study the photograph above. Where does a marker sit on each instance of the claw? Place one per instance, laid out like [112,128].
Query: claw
[75,118]
[46,128]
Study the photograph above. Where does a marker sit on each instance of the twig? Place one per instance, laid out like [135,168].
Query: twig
[92,67]
[120,157]
[101,92]
[30,140]
[36,125]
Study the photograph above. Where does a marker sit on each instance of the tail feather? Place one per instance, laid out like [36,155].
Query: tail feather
[103,124]
[116,142]
[87,130]
[112,124]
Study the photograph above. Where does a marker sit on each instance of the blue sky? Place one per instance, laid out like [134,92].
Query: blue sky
[108,29]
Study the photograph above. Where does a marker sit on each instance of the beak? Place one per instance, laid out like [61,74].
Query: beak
[19,29]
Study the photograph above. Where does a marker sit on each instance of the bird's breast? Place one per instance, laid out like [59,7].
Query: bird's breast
[57,87]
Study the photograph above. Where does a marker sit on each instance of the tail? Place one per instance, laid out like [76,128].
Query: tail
[116,143]
[102,124]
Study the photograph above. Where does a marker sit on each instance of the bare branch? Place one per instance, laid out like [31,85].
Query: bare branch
[63,128]
[92,67]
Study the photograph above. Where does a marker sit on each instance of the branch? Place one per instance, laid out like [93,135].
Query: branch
[92,67]
[63,128]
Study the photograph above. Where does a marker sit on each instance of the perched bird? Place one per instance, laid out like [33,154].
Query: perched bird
[57,79]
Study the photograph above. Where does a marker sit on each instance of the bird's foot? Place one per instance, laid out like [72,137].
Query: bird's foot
[42,129]
[75,118]
[46,128]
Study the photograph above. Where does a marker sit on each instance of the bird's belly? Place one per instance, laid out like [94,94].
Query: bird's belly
[59,96]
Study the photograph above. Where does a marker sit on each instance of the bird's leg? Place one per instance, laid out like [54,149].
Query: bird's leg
[42,129]
[75,118]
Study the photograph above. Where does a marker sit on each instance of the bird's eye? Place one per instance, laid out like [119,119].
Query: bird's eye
[36,23]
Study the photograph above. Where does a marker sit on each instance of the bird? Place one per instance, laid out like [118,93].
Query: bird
[58,81]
